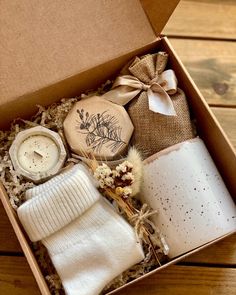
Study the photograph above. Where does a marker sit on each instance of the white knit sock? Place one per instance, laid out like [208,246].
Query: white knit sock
[38,189]
[88,242]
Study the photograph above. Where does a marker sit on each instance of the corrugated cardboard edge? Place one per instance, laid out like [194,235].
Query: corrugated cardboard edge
[158,12]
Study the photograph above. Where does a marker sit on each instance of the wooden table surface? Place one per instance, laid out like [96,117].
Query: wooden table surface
[203,34]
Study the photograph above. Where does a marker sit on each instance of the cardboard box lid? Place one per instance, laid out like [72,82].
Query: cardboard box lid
[45,42]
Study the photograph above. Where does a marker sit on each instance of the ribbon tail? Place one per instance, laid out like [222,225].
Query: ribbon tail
[160,102]
[168,81]
[121,95]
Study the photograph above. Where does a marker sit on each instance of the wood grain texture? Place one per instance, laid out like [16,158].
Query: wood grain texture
[203,18]
[8,240]
[16,277]
[192,280]
[223,252]
[227,119]
[212,66]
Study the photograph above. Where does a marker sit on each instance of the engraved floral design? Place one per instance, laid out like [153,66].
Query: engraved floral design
[101,129]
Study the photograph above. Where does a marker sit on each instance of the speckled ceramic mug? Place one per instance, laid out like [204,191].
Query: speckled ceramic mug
[193,203]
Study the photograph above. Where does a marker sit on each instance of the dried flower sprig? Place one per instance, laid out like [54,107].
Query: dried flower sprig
[116,184]
[119,179]
[135,158]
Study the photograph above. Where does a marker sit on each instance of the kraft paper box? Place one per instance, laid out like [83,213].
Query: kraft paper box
[55,49]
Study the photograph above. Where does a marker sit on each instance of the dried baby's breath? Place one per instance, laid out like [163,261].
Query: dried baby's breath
[135,158]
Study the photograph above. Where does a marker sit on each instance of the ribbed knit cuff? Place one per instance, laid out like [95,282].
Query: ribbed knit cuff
[39,189]
[58,204]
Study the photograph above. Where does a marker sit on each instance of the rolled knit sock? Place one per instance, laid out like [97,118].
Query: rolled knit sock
[88,242]
[38,189]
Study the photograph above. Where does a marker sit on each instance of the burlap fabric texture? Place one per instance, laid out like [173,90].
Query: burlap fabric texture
[153,131]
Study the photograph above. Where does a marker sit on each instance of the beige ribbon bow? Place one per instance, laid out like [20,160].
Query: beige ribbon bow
[158,89]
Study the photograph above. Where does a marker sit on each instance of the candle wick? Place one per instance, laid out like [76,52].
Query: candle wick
[38,154]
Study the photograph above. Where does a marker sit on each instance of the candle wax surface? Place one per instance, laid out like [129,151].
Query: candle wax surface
[38,153]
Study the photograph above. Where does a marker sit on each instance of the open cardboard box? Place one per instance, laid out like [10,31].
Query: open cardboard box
[59,49]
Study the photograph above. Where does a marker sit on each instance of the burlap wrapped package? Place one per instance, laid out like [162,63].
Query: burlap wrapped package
[158,109]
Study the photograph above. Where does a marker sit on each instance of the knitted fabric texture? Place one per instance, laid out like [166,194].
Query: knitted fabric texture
[153,131]
[88,242]
[38,189]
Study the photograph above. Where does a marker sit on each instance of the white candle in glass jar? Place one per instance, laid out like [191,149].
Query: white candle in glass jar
[37,153]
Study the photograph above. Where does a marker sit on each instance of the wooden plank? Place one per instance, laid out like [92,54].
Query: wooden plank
[223,252]
[212,66]
[8,239]
[180,280]
[203,18]
[227,119]
[16,277]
